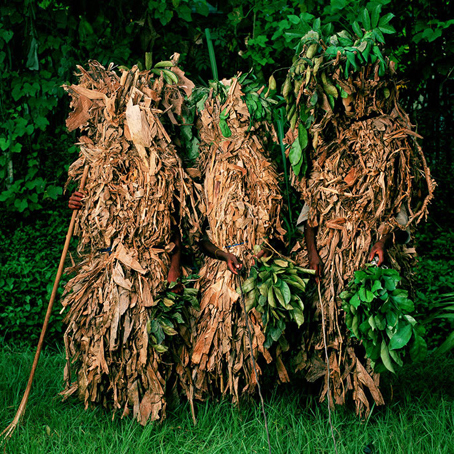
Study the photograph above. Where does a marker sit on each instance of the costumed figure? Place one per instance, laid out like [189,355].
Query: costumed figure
[137,200]
[366,187]
[243,203]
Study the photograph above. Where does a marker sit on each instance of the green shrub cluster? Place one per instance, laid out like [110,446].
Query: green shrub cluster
[28,266]
[434,281]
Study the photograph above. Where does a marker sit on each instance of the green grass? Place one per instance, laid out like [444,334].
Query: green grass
[419,418]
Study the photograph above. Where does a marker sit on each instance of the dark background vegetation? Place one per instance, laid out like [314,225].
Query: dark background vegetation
[42,42]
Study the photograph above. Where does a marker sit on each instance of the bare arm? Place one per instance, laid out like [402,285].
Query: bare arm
[315,262]
[175,262]
[233,264]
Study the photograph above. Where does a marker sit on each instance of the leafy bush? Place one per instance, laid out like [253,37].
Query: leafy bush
[28,266]
[434,279]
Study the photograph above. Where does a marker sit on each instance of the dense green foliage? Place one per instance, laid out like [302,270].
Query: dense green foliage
[381,315]
[297,424]
[28,265]
[42,42]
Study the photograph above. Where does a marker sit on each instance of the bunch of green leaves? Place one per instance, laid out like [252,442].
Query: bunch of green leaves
[363,46]
[378,313]
[170,310]
[275,288]
[358,46]
[259,104]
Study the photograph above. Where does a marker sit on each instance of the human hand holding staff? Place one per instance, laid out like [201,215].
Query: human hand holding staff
[21,410]
[75,201]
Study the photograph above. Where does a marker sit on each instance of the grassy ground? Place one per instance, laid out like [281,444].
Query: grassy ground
[419,418]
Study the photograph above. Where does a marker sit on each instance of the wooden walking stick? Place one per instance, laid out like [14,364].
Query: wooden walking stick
[21,410]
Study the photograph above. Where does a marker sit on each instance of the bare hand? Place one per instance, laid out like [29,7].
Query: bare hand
[261,253]
[378,249]
[75,201]
[173,276]
[316,264]
[233,264]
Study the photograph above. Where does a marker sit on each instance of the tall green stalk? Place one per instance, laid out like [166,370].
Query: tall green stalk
[214,67]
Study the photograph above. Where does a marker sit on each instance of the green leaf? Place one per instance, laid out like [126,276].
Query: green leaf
[331,101]
[390,283]
[385,19]
[314,99]
[384,355]
[379,35]
[446,346]
[365,19]
[387,29]
[275,333]
[280,297]
[224,114]
[202,8]
[400,297]
[375,14]
[53,192]
[200,105]
[184,12]
[355,301]
[394,354]
[32,58]
[372,323]
[299,316]
[364,327]
[302,136]
[6,35]
[391,319]
[343,93]
[41,122]
[376,286]
[345,295]
[160,348]
[225,130]
[360,276]
[418,348]
[300,169]
[357,30]
[286,292]
[351,59]
[295,152]
[380,322]
[366,295]
[401,337]
[4,143]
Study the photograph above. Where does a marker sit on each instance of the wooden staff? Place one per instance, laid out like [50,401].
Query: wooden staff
[21,410]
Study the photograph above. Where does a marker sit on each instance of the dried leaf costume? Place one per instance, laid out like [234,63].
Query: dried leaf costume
[365,170]
[243,204]
[135,188]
